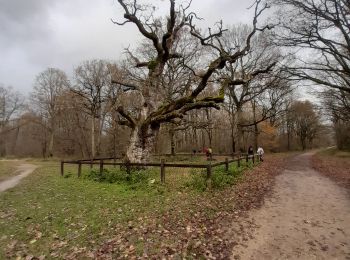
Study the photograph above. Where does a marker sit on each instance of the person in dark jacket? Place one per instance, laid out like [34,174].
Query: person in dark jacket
[250,150]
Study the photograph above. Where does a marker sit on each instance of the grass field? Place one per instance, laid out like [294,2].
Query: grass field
[53,216]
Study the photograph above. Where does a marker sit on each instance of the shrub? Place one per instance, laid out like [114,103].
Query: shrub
[219,179]
[140,176]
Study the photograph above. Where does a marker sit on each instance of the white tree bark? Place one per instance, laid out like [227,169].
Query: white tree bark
[141,144]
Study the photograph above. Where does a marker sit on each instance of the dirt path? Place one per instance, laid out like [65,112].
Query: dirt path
[307,217]
[23,170]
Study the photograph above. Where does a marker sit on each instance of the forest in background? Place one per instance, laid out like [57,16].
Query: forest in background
[185,88]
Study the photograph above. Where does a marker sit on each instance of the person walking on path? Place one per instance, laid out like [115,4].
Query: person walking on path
[210,153]
[250,153]
[260,152]
[250,150]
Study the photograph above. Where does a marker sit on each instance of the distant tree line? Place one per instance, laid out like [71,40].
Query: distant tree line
[184,88]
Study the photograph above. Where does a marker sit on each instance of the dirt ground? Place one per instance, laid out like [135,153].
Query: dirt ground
[23,170]
[337,168]
[306,217]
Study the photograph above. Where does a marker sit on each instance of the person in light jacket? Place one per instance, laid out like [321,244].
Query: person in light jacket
[260,152]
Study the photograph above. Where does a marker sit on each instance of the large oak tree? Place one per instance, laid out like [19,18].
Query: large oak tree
[154,109]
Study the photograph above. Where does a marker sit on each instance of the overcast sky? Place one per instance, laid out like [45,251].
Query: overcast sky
[37,34]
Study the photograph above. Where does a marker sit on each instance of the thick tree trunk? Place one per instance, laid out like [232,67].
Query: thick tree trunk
[256,129]
[83,143]
[303,143]
[288,140]
[233,126]
[98,139]
[141,144]
[51,143]
[195,139]
[256,137]
[233,140]
[239,133]
[93,152]
[43,147]
[81,148]
[203,139]
[209,130]
[2,142]
[115,143]
[101,122]
[2,147]
[15,141]
[172,142]
[210,138]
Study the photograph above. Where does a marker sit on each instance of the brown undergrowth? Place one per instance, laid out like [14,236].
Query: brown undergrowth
[335,165]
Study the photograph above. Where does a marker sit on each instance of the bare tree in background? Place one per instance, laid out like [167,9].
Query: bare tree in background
[154,109]
[336,104]
[306,122]
[269,104]
[11,102]
[318,31]
[93,86]
[49,87]
[251,76]
[323,28]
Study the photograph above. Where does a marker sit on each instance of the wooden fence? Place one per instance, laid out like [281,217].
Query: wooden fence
[162,164]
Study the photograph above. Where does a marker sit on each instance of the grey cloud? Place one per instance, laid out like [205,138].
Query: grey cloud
[22,20]
[36,34]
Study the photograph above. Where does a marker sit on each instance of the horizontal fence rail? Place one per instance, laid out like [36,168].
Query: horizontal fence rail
[162,164]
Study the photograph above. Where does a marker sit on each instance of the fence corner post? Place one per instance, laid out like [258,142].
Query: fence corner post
[79,169]
[209,172]
[62,168]
[226,165]
[162,171]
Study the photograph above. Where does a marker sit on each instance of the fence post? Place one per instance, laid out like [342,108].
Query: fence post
[101,166]
[239,161]
[247,158]
[114,161]
[62,168]
[209,171]
[79,169]
[91,163]
[226,164]
[253,158]
[162,170]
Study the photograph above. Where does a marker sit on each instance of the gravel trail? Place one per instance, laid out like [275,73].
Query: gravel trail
[307,217]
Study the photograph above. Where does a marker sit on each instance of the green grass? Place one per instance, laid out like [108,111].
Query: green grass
[47,211]
[50,215]
[7,169]
[335,153]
